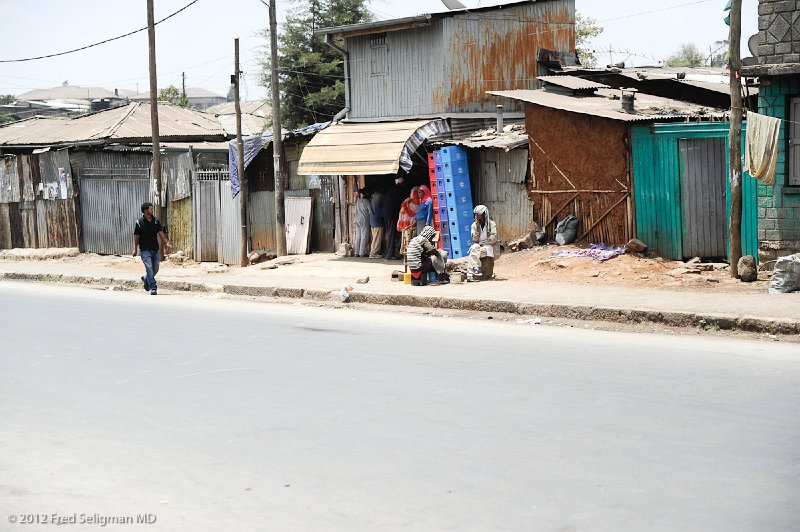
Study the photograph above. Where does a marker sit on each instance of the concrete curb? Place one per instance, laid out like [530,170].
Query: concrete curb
[575,312]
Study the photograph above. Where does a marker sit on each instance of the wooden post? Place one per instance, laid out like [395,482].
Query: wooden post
[155,170]
[277,136]
[736,137]
[243,260]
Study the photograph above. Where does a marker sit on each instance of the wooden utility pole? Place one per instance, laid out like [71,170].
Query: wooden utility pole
[183,84]
[243,260]
[736,136]
[155,170]
[277,136]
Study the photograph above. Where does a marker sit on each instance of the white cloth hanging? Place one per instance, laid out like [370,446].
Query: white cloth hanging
[761,147]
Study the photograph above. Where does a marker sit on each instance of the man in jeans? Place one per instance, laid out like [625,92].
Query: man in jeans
[146,234]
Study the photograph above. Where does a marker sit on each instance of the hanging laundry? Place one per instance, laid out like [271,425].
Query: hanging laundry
[761,147]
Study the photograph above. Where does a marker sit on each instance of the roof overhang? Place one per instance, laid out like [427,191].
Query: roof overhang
[787,69]
[369,28]
[376,148]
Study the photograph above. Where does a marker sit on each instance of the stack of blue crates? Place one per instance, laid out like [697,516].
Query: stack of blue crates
[455,199]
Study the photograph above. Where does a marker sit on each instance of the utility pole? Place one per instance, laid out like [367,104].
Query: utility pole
[277,136]
[155,170]
[183,84]
[240,155]
[736,136]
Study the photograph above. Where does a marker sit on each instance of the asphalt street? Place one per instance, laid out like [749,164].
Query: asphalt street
[208,414]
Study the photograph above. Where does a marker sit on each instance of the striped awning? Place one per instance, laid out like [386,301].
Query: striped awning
[373,148]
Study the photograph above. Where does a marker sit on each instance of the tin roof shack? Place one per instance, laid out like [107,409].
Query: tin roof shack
[669,192]
[108,155]
[442,64]
[778,73]
[425,77]
[499,172]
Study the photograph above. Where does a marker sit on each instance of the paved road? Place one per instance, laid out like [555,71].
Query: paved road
[219,415]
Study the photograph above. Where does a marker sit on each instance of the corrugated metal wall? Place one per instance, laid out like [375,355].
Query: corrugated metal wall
[216,215]
[230,226]
[30,217]
[499,182]
[658,192]
[261,210]
[109,209]
[448,66]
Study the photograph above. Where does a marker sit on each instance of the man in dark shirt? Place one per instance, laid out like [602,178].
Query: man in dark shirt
[146,234]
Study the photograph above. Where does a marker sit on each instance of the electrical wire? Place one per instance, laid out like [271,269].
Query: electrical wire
[97,43]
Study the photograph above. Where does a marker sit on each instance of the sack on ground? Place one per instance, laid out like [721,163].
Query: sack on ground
[567,230]
[786,276]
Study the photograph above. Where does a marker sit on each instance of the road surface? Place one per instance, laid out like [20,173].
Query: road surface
[208,414]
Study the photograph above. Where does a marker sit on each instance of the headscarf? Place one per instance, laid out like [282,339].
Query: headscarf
[481,209]
[408,209]
[426,194]
[428,232]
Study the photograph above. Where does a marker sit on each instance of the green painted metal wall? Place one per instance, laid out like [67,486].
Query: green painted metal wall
[657,186]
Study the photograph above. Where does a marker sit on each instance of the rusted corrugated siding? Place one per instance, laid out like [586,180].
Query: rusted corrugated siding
[447,67]
[56,223]
[5,226]
[179,215]
[579,166]
[498,50]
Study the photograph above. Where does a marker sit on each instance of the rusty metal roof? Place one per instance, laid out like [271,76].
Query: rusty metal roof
[606,103]
[512,136]
[130,123]
[572,82]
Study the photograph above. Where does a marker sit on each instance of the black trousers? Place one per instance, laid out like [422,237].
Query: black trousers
[392,240]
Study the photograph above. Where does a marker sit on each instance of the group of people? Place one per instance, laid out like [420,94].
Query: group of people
[409,215]
[396,212]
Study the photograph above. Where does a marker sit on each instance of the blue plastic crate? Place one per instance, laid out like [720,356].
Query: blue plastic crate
[443,214]
[456,197]
[437,157]
[452,154]
[442,197]
[460,213]
[453,169]
[454,183]
[457,254]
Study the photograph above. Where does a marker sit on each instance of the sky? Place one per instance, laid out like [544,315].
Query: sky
[199,41]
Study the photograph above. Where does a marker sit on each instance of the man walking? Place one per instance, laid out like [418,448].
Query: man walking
[146,235]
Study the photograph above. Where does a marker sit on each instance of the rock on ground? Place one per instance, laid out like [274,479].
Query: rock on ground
[747,269]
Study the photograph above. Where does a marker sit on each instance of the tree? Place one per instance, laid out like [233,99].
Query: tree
[6,99]
[172,95]
[586,28]
[311,73]
[688,55]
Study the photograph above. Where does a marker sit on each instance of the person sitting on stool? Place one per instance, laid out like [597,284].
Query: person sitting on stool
[484,248]
[423,257]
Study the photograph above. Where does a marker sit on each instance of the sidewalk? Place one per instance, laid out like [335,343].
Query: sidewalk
[321,277]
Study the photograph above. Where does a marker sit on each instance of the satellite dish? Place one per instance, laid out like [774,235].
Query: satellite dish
[752,44]
[453,5]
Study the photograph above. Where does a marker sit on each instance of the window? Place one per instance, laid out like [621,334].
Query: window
[379,55]
[793,174]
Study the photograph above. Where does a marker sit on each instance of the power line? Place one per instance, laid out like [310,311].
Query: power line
[97,43]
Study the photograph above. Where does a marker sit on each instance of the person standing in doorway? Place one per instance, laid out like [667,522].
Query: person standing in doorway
[363,214]
[391,211]
[424,216]
[376,224]
[146,235]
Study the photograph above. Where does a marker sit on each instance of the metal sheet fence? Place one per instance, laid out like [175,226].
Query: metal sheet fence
[110,208]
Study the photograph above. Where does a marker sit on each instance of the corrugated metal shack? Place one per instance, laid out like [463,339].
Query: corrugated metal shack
[582,163]
[499,172]
[416,80]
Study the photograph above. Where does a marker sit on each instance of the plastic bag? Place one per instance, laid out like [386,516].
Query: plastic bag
[786,276]
[567,230]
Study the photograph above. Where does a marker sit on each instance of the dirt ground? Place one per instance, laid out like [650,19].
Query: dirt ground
[630,270]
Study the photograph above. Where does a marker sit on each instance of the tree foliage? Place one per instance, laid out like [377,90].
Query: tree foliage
[586,29]
[172,95]
[688,55]
[311,73]
[6,99]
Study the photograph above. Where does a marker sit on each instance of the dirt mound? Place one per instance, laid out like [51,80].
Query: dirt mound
[628,270]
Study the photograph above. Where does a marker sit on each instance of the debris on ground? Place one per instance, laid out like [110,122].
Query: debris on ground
[567,230]
[363,280]
[595,251]
[344,293]
[179,257]
[635,245]
[531,321]
[260,255]
[786,275]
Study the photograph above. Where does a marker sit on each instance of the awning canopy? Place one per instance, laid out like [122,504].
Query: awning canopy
[374,148]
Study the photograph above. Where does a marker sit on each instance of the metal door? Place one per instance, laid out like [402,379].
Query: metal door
[206,202]
[217,215]
[109,210]
[298,225]
[703,213]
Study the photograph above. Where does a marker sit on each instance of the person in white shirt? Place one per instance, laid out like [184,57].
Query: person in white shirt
[484,246]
